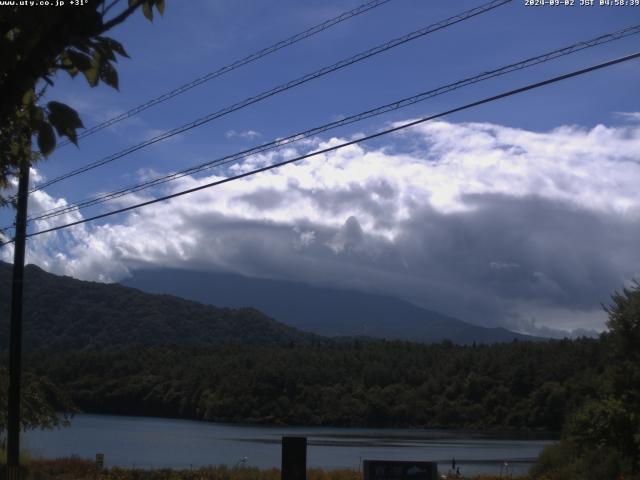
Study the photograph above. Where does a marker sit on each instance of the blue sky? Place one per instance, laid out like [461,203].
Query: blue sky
[197,37]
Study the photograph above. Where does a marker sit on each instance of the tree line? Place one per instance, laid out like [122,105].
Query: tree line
[519,385]
[588,390]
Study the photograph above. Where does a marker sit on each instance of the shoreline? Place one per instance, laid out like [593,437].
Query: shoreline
[481,433]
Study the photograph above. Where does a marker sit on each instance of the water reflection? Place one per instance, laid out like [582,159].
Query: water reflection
[156,442]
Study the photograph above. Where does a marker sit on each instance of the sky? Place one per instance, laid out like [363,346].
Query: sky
[522,213]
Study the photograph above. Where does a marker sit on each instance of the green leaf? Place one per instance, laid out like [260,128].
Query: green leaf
[36,114]
[147,11]
[29,97]
[68,66]
[83,45]
[98,59]
[160,6]
[104,50]
[83,63]
[12,34]
[72,72]
[66,114]
[109,75]
[114,45]
[79,60]
[65,120]
[91,75]
[46,139]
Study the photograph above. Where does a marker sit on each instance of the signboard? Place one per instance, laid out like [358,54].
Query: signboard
[396,470]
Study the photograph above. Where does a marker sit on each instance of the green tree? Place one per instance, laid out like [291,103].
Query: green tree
[35,44]
[41,402]
[624,321]
[602,438]
[624,338]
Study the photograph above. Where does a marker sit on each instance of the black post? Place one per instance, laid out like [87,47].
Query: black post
[294,458]
[15,339]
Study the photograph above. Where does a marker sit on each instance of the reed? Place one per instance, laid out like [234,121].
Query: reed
[73,468]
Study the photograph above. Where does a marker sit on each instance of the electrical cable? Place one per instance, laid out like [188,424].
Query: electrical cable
[509,93]
[230,67]
[57,211]
[281,88]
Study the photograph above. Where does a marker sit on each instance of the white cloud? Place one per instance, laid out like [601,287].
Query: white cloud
[502,265]
[485,222]
[630,116]
[245,135]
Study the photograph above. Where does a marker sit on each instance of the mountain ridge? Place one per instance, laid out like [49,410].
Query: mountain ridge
[65,314]
[320,310]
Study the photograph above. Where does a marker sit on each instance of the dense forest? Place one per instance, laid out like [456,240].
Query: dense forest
[117,350]
[519,385]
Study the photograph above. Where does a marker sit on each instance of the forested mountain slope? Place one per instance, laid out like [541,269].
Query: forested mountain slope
[62,314]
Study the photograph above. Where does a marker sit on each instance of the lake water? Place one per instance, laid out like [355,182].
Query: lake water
[157,442]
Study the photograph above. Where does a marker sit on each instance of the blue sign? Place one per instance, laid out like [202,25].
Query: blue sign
[396,470]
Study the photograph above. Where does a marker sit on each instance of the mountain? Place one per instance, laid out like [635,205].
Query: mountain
[65,314]
[323,311]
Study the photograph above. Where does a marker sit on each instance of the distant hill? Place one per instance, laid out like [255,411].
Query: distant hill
[64,314]
[323,311]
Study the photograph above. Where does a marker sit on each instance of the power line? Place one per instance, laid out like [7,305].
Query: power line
[232,66]
[609,37]
[516,91]
[283,87]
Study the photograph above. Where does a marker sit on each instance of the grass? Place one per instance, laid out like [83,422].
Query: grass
[80,469]
[74,468]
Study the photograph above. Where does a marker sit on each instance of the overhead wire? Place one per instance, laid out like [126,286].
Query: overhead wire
[467,14]
[333,148]
[278,143]
[232,66]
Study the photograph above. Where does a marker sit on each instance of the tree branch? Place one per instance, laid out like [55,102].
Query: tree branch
[117,20]
[111,5]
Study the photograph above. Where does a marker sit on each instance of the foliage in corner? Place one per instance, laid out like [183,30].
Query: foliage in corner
[41,402]
[36,44]
[602,438]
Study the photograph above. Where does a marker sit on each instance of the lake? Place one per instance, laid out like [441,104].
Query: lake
[158,442]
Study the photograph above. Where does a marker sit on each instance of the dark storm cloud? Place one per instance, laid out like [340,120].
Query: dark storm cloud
[491,224]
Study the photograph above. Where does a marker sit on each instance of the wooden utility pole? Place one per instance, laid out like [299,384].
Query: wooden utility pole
[15,339]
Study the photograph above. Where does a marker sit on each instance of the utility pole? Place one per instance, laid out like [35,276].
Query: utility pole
[15,339]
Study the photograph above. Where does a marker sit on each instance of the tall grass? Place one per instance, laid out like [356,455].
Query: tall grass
[74,468]
[221,473]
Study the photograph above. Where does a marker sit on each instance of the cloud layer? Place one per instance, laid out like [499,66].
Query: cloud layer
[495,225]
